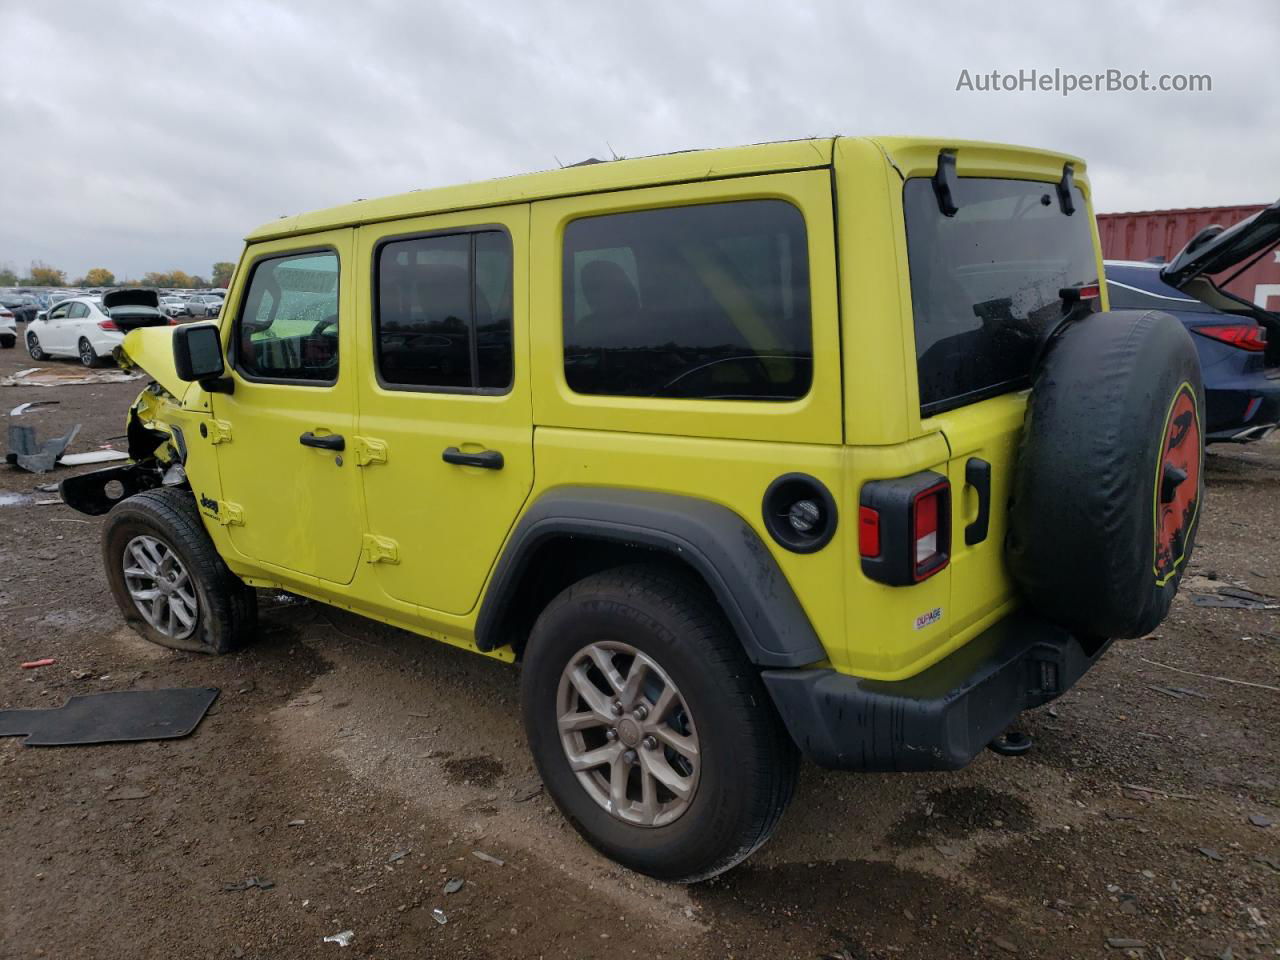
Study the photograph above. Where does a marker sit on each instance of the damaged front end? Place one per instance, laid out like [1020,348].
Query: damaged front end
[157,445]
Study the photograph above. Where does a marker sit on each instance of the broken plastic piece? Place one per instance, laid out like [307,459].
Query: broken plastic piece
[439,917]
[454,885]
[32,664]
[93,456]
[26,454]
[481,855]
[342,939]
[22,408]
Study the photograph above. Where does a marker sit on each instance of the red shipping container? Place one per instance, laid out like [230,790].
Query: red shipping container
[1162,233]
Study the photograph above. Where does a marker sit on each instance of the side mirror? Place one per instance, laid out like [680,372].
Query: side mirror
[197,356]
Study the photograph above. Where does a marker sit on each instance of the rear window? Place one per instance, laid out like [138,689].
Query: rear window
[985,282]
[699,302]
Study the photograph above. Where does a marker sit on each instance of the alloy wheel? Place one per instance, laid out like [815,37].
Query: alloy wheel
[160,586]
[628,734]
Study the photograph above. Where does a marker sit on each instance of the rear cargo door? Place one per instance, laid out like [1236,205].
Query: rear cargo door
[985,281]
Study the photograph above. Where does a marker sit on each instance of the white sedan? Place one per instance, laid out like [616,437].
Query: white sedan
[79,327]
[8,328]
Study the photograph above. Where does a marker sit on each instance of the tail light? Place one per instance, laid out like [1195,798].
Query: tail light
[1246,336]
[173,321]
[904,528]
[928,509]
[107,325]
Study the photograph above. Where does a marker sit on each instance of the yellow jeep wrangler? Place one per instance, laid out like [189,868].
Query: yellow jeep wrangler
[824,448]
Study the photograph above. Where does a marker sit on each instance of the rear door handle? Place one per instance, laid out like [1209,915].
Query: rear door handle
[489,459]
[330,441]
[977,474]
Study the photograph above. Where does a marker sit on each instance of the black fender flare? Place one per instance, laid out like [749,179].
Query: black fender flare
[716,542]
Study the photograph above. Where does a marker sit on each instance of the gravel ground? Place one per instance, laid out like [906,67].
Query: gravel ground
[354,770]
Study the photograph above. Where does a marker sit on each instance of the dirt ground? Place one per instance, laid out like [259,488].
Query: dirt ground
[354,770]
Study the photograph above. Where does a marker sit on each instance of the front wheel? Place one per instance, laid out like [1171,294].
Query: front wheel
[651,730]
[33,348]
[168,579]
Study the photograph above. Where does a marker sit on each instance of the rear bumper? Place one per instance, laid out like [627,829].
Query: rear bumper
[941,718]
[1245,414]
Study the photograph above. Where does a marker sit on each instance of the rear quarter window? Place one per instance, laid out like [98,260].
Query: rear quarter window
[985,282]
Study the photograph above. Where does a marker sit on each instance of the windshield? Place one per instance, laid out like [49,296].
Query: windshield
[985,282]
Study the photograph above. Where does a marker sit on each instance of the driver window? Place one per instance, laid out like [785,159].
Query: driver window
[288,326]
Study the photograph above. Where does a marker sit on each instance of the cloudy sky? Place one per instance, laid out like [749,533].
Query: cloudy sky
[153,135]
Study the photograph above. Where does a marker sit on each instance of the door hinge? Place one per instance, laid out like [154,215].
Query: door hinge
[369,451]
[380,549]
[216,431]
[230,514]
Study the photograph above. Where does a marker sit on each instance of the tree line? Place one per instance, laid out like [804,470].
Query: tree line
[41,274]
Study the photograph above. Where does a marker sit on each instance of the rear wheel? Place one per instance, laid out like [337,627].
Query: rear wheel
[168,579]
[651,730]
[87,355]
[33,348]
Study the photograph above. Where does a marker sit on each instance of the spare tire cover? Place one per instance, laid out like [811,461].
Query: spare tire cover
[1109,482]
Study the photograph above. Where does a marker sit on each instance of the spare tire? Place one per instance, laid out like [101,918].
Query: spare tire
[1107,493]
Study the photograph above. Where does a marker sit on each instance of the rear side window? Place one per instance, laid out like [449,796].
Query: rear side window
[443,315]
[704,302]
[985,282]
[288,326]
[78,311]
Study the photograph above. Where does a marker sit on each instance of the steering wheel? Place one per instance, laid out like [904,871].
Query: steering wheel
[329,321]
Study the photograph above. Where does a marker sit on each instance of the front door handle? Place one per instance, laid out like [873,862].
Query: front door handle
[330,441]
[977,474]
[489,459]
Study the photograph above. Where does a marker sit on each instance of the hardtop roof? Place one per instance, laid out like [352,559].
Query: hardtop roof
[584,178]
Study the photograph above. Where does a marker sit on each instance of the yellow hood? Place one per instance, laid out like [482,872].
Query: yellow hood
[150,349]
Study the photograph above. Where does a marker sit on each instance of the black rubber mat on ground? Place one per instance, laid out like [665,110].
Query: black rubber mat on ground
[111,717]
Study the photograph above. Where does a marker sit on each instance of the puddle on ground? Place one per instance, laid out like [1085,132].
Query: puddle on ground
[12,499]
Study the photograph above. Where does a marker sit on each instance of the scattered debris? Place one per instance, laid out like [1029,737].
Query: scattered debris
[1212,854]
[342,939]
[1125,943]
[1154,791]
[948,849]
[439,917]
[22,408]
[248,885]
[1268,862]
[93,456]
[128,793]
[1259,820]
[296,823]
[526,792]
[1256,916]
[1209,676]
[26,454]
[398,856]
[1233,602]
[454,885]
[33,664]
[306,700]
[481,855]
[65,376]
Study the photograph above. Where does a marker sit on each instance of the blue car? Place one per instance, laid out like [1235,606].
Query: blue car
[1238,342]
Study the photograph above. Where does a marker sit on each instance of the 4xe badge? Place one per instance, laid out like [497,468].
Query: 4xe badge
[928,619]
